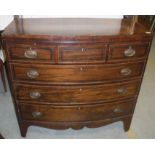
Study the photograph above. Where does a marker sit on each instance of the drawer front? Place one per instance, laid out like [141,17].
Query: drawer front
[127,51]
[29,52]
[75,113]
[82,53]
[77,94]
[75,73]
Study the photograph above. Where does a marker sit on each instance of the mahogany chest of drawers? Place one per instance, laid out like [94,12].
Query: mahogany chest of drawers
[71,73]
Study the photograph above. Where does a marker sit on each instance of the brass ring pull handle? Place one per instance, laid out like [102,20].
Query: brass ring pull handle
[35,95]
[118,110]
[129,52]
[36,114]
[32,74]
[125,71]
[31,54]
[121,91]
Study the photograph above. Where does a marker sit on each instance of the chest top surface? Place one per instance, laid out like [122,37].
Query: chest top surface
[73,27]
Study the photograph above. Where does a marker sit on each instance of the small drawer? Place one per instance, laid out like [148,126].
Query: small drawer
[31,52]
[71,95]
[82,53]
[72,74]
[127,51]
[75,113]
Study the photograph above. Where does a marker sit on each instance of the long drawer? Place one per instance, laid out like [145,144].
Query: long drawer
[75,113]
[65,74]
[76,94]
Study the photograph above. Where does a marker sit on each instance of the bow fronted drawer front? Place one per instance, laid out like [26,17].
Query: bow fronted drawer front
[75,113]
[72,95]
[76,74]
